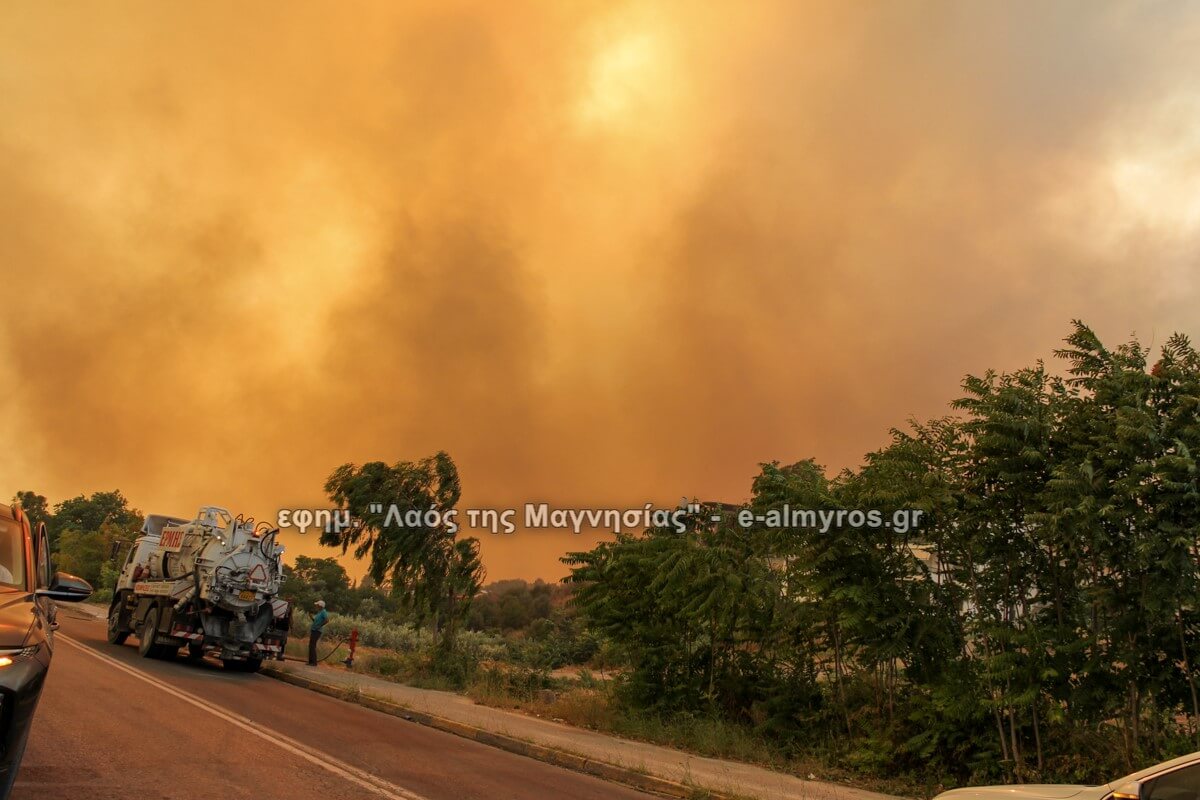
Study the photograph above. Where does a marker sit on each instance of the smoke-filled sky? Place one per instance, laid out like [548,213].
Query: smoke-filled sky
[600,252]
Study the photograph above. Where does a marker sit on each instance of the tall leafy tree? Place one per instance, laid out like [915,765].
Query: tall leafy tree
[693,610]
[35,506]
[86,553]
[90,513]
[400,516]
[1043,622]
[311,579]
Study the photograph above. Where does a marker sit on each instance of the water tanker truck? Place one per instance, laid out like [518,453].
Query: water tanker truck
[209,584]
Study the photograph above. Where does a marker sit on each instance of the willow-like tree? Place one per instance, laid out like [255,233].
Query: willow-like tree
[399,522]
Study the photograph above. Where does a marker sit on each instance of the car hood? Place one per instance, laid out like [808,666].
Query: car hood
[1029,791]
[16,618]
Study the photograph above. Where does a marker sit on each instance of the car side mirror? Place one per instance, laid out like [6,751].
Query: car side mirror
[1130,790]
[66,588]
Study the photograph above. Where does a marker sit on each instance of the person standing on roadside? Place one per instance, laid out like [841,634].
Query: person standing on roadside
[314,633]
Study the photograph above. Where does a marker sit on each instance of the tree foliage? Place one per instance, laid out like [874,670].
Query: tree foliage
[512,605]
[434,573]
[90,514]
[1043,622]
[35,506]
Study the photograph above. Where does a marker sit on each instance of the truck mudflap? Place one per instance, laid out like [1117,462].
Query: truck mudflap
[268,646]
[181,632]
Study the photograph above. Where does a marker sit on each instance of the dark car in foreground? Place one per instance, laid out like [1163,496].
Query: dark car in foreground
[28,591]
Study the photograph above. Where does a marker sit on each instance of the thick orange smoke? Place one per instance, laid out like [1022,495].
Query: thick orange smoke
[602,253]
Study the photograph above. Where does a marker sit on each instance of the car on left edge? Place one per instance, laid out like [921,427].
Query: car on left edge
[29,590]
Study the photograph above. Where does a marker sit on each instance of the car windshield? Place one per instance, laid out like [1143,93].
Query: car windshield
[12,555]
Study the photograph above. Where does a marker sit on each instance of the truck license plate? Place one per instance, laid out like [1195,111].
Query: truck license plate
[246,595]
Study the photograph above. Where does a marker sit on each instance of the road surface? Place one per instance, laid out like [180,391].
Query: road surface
[114,726]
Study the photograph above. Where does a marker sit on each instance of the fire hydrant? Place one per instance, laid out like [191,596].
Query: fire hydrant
[349,662]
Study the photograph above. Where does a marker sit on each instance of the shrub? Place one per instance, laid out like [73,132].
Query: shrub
[401,638]
[388,666]
[587,708]
[517,683]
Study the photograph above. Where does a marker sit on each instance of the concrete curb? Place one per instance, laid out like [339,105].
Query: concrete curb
[559,758]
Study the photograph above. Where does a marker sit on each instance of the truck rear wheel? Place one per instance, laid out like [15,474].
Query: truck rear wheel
[148,645]
[116,634]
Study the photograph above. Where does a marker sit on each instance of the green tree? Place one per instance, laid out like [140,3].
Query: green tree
[312,579]
[693,610]
[34,505]
[1047,607]
[437,576]
[1005,555]
[89,514]
[86,553]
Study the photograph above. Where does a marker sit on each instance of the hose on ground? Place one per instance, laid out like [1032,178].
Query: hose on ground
[336,646]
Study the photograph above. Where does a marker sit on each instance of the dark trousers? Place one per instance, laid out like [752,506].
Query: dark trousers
[313,637]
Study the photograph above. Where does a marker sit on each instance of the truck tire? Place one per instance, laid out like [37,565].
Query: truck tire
[116,634]
[148,645]
[195,651]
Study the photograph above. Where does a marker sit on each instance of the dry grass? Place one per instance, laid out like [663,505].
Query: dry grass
[590,703]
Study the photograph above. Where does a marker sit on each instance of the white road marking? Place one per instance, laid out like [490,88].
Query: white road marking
[340,768]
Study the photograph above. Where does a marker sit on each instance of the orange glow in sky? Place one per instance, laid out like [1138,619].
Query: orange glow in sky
[602,253]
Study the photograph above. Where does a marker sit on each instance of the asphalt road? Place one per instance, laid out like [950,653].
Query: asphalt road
[114,725]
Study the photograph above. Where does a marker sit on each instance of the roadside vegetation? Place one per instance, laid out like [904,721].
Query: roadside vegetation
[1042,623]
